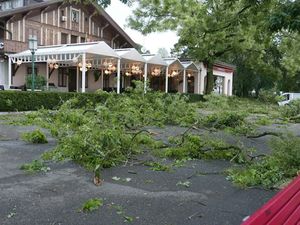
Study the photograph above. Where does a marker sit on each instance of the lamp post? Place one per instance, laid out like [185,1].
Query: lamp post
[32,47]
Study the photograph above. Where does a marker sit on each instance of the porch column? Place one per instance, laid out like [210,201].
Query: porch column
[167,80]
[9,72]
[225,86]
[184,81]
[83,73]
[145,77]
[119,77]
[202,79]
[102,79]
[77,78]
[198,82]
[47,76]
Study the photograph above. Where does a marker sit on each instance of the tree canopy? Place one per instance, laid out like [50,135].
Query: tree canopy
[260,37]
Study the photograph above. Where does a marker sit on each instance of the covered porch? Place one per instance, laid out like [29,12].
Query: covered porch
[72,67]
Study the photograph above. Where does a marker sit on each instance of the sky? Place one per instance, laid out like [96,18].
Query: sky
[120,12]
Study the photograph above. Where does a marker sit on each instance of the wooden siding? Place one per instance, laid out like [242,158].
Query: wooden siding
[47,24]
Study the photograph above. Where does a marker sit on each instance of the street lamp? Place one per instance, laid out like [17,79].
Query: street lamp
[32,47]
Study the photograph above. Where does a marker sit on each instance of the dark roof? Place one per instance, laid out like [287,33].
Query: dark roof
[102,12]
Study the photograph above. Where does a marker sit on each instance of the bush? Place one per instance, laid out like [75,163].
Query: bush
[292,109]
[268,96]
[39,81]
[224,119]
[274,169]
[28,101]
[36,137]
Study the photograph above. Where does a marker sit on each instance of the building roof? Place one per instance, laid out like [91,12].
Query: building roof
[101,11]
[154,59]
[174,62]
[189,65]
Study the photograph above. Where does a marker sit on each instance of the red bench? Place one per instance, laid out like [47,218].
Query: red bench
[282,209]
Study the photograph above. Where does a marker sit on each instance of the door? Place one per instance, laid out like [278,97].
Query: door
[72,80]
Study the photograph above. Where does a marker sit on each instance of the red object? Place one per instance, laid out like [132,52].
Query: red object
[282,209]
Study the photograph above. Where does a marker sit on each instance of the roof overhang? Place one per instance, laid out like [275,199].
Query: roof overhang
[189,65]
[154,59]
[174,63]
[130,54]
[64,53]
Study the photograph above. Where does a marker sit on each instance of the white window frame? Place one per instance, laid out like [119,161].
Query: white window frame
[77,12]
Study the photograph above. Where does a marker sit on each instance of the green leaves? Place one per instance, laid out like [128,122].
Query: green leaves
[92,204]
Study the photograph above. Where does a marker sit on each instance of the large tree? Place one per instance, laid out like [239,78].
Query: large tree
[239,30]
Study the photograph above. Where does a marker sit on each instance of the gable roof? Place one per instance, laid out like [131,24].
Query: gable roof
[130,54]
[101,11]
[154,59]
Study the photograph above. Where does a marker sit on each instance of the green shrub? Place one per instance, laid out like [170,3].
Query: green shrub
[92,204]
[39,81]
[36,137]
[268,96]
[291,110]
[35,166]
[273,170]
[224,119]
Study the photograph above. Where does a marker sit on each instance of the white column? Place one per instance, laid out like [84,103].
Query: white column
[167,80]
[77,79]
[199,83]
[47,76]
[9,72]
[230,87]
[83,73]
[184,81]
[202,81]
[145,77]
[119,77]
[225,86]
[102,79]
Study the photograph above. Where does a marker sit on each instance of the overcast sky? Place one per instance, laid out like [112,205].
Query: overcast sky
[120,12]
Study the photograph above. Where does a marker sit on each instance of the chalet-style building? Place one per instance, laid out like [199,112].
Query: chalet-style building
[72,37]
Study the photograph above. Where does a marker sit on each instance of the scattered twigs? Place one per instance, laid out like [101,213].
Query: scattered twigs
[265,134]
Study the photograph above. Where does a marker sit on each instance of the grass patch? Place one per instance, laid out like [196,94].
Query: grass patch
[35,137]
[92,205]
[35,166]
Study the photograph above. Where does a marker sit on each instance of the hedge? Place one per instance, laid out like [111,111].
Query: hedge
[28,101]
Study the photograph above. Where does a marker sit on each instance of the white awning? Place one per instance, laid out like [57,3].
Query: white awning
[67,52]
[130,54]
[154,59]
[174,63]
[189,65]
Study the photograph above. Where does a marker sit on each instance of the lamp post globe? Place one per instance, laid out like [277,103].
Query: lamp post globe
[32,47]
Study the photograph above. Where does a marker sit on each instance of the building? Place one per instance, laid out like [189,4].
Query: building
[62,28]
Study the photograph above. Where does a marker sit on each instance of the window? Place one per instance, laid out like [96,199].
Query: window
[82,40]
[75,15]
[29,70]
[62,77]
[74,39]
[64,38]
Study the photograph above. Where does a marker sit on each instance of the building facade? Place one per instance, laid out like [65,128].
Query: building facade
[58,23]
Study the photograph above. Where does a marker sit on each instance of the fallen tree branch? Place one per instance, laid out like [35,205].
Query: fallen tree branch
[265,134]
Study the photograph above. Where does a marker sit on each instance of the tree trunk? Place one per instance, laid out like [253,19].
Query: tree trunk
[210,77]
